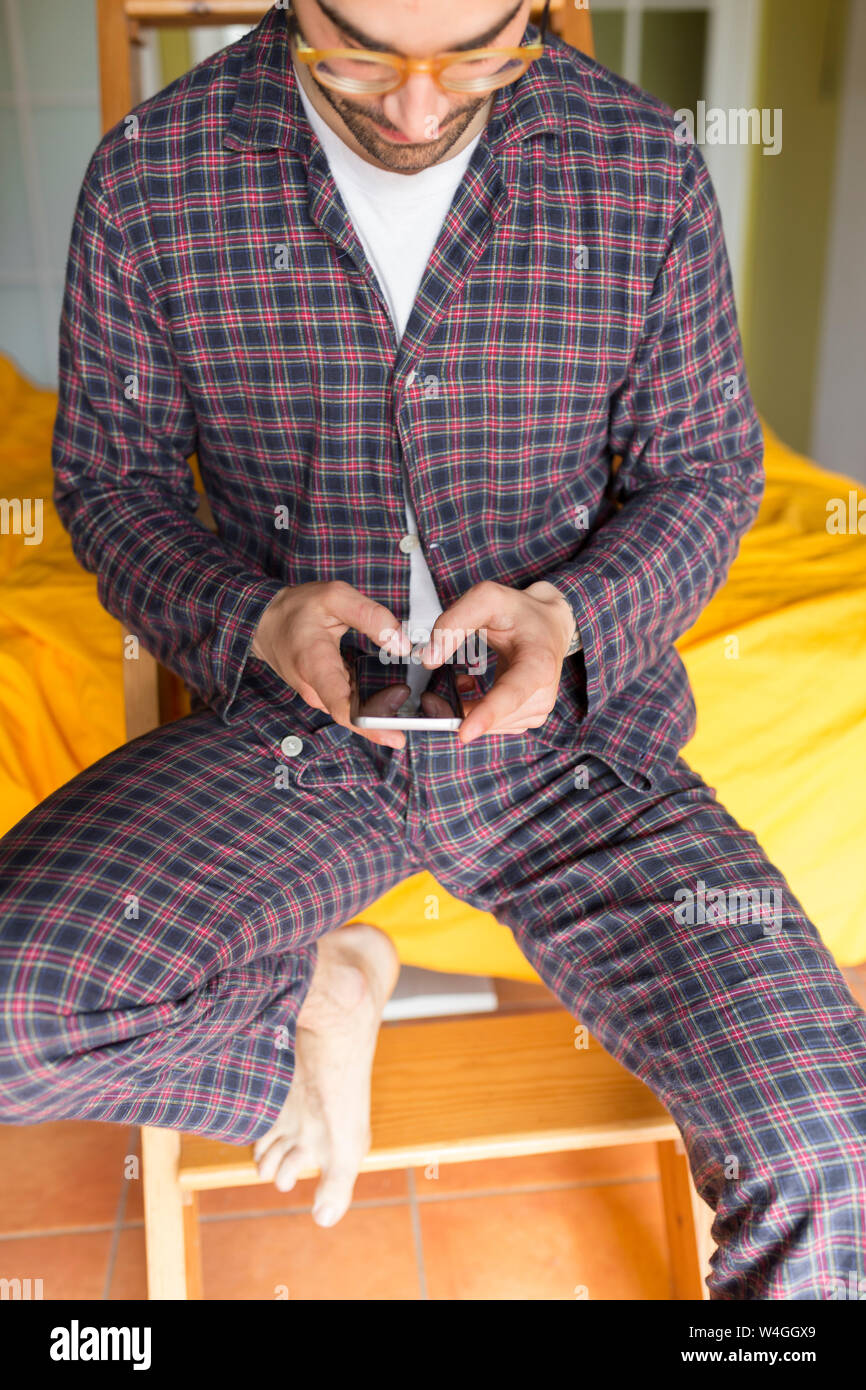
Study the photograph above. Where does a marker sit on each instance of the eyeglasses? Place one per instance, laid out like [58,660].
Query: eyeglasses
[365,72]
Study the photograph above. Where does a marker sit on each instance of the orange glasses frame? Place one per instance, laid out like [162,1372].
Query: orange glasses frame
[433,65]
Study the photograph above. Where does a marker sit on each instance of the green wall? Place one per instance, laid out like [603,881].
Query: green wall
[799,70]
[174,53]
[672,56]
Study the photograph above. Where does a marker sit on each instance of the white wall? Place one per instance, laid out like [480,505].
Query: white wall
[49,127]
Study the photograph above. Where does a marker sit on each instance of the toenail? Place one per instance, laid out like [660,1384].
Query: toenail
[324,1216]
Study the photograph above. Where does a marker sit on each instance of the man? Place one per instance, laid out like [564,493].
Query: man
[408,309]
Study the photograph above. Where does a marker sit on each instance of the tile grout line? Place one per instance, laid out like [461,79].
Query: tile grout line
[55,1231]
[118,1220]
[370,1202]
[542,1187]
[416,1235]
[258,1213]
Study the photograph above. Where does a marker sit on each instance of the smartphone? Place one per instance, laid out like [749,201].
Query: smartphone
[372,679]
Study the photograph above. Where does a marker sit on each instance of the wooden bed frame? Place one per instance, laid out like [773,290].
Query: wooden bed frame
[530,1089]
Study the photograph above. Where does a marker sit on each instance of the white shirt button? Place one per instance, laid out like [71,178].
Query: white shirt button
[291,745]
[409,543]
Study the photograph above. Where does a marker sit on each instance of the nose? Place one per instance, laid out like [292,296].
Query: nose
[417,108]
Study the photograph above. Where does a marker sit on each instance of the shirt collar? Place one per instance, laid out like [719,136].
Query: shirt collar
[267,113]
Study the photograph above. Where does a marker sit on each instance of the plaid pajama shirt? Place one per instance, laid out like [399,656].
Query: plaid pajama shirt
[160,913]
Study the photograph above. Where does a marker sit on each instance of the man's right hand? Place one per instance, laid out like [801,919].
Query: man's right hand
[299,637]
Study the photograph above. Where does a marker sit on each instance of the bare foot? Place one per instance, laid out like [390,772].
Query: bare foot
[325,1120]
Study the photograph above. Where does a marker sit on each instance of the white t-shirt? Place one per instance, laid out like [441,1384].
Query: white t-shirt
[398,218]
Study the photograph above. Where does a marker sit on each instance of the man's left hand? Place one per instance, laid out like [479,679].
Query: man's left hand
[530,631]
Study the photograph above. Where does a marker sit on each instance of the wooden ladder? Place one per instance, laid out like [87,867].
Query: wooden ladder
[449,1091]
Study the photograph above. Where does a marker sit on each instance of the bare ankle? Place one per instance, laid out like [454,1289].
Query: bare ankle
[338,987]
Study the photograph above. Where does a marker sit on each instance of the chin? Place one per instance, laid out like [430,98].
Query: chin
[408,164]
[402,155]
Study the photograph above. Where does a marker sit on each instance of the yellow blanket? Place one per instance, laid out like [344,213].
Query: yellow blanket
[777,661]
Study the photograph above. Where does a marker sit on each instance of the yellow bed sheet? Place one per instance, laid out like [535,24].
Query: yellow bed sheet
[777,660]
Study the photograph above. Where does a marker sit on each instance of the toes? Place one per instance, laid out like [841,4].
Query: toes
[269,1161]
[290,1168]
[280,1129]
[284,1131]
[262,1145]
[334,1196]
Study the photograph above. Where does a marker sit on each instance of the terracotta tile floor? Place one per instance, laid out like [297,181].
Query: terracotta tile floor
[532,1228]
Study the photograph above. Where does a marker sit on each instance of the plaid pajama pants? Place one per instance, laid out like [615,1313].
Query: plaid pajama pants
[159,923]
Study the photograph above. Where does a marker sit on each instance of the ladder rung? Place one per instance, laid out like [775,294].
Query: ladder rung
[490,1086]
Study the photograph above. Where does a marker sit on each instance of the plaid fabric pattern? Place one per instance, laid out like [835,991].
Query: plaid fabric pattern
[577,305]
[160,914]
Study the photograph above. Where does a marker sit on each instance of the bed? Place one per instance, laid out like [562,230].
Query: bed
[777,661]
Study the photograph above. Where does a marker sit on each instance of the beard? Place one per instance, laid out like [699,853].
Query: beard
[401,158]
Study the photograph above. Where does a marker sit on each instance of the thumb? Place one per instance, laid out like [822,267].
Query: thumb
[387,701]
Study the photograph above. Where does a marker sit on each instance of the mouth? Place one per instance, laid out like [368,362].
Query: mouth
[396,136]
